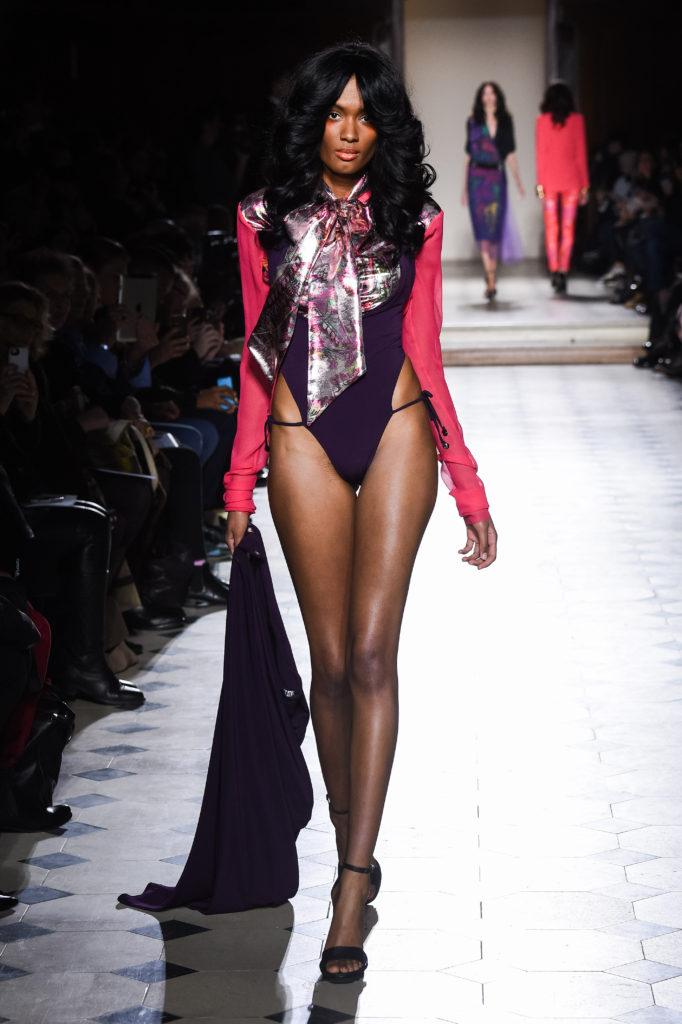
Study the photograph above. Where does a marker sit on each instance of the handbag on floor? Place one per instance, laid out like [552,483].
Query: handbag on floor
[258,793]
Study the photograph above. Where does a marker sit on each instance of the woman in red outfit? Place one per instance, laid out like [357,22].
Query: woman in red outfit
[562,180]
[342,369]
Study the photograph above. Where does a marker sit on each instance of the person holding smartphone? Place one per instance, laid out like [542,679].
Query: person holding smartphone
[65,568]
[18,386]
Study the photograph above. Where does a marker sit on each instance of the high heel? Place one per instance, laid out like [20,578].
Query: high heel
[490,293]
[374,870]
[345,952]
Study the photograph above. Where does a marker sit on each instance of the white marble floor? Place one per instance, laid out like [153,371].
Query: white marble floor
[532,842]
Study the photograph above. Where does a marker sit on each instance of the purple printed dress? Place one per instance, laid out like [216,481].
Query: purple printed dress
[491,216]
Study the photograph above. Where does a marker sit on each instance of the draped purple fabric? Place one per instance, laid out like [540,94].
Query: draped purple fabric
[258,793]
[511,247]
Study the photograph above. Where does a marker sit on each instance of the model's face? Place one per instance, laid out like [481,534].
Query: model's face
[349,141]
[489,98]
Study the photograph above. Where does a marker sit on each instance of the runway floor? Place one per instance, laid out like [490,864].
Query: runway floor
[532,841]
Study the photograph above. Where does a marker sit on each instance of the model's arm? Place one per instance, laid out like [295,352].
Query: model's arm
[421,341]
[465,189]
[467,161]
[248,451]
[581,154]
[541,179]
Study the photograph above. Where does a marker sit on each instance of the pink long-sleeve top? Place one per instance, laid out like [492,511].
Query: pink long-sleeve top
[422,320]
[561,154]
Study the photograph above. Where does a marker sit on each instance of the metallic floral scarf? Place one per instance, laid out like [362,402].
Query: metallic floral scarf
[334,256]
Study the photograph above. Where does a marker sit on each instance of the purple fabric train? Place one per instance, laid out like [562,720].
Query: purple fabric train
[258,793]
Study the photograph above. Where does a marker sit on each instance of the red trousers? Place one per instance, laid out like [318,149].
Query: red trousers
[559,240]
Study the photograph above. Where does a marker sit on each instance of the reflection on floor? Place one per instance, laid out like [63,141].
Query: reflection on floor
[528,323]
[532,842]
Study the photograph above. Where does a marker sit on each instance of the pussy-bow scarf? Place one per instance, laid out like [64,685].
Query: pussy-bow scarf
[320,270]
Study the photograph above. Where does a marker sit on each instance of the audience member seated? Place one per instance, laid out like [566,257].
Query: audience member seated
[34,724]
[65,569]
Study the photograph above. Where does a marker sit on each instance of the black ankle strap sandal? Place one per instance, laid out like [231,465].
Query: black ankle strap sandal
[374,869]
[345,952]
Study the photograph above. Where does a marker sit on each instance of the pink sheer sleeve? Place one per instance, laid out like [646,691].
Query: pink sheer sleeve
[422,323]
[248,452]
[581,152]
[541,177]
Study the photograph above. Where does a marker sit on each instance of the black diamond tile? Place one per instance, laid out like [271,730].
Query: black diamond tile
[168,930]
[80,828]
[40,894]
[154,970]
[132,727]
[180,858]
[90,800]
[7,972]
[50,861]
[190,829]
[309,1015]
[156,685]
[22,930]
[119,750]
[194,799]
[150,706]
[137,1015]
[103,774]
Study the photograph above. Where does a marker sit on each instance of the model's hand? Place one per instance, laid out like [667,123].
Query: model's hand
[522,191]
[465,198]
[237,523]
[480,549]
[584,197]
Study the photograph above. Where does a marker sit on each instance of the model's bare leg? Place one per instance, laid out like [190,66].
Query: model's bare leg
[314,511]
[490,268]
[393,508]
[350,561]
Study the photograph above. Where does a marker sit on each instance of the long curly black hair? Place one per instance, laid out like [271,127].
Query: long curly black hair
[558,101]
[501,112]
[397,175]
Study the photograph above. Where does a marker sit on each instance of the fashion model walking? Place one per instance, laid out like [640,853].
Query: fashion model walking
[342,381]
[562,179]
[490,144]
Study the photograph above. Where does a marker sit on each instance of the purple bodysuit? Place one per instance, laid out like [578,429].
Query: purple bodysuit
[351,427]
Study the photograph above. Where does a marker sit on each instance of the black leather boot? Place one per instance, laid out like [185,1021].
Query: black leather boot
[206,589]
[80,668]
[44,820]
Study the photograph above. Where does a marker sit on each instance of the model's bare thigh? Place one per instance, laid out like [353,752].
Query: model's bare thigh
[313,510]
[392,511]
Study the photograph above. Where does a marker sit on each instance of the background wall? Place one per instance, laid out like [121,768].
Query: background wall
[451,46]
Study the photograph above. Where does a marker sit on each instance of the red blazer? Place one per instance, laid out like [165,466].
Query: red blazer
[561,154]
[422,320]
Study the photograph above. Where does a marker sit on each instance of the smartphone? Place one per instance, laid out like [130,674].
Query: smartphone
[138,294]
[178,322]
[226,382]
[18,356]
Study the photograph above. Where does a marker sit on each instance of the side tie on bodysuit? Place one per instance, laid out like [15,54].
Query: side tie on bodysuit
[350,457]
